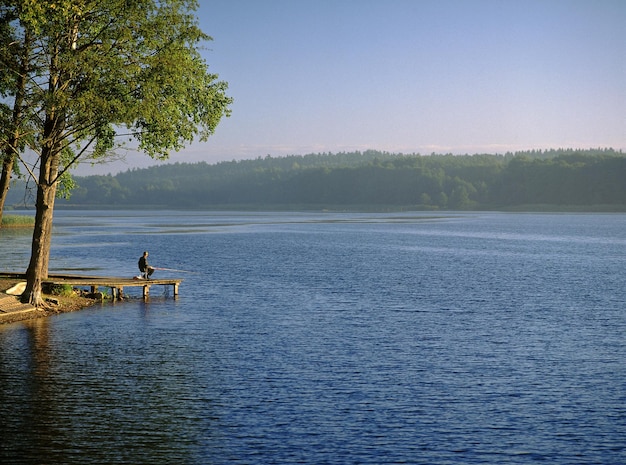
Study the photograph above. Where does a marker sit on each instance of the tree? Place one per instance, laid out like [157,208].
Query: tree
[101,70]
[14,60]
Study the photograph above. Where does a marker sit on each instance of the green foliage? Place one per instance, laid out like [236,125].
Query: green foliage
[64,290]
[66,185]
[373,180]
[98,69]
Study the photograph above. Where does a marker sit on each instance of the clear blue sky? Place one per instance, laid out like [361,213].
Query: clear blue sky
[460,76]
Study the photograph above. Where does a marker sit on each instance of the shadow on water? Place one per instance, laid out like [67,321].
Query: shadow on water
[29,394]
[69,401]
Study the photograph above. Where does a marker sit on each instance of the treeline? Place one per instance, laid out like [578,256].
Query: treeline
[557,178]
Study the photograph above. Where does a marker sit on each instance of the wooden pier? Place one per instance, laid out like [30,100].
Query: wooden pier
[116,284]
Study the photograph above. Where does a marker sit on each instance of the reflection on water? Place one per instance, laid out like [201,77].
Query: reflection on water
[71,403]
[476,338]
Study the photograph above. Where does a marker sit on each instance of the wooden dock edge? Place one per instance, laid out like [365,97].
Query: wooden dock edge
[115,284]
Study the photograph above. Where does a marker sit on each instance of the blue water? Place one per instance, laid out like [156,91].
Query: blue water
[327,338]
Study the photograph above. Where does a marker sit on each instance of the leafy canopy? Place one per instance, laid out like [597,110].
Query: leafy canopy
[120,67]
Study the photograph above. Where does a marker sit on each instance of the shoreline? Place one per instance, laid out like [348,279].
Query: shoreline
[58,304]
[335,208]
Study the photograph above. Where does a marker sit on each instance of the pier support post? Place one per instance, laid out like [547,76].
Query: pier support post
[146,292]
[117,293]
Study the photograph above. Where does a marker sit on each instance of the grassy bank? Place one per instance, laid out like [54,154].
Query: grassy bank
[17,221]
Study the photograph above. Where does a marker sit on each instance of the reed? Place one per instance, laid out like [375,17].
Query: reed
[17,221]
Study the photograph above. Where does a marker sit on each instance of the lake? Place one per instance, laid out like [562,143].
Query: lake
[336,338]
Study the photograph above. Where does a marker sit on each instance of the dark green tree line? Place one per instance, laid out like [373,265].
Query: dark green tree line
[585,178]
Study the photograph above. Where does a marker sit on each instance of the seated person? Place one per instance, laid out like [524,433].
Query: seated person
[146,270]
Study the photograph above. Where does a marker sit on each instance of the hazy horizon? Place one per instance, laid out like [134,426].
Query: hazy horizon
[402,76]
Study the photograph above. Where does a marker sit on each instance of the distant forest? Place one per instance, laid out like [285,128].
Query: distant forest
[593,179]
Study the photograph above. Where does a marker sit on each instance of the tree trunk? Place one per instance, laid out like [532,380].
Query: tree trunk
[49,160]
[5,180]
[38,267]
[42,234]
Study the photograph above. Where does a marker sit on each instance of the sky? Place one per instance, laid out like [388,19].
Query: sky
[412,76]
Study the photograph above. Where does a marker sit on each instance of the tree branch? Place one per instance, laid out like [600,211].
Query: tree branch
[76,157]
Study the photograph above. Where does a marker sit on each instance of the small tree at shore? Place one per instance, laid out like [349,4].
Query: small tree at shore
[14,61]
[98,69]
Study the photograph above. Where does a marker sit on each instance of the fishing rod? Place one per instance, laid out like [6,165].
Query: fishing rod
[172,269]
